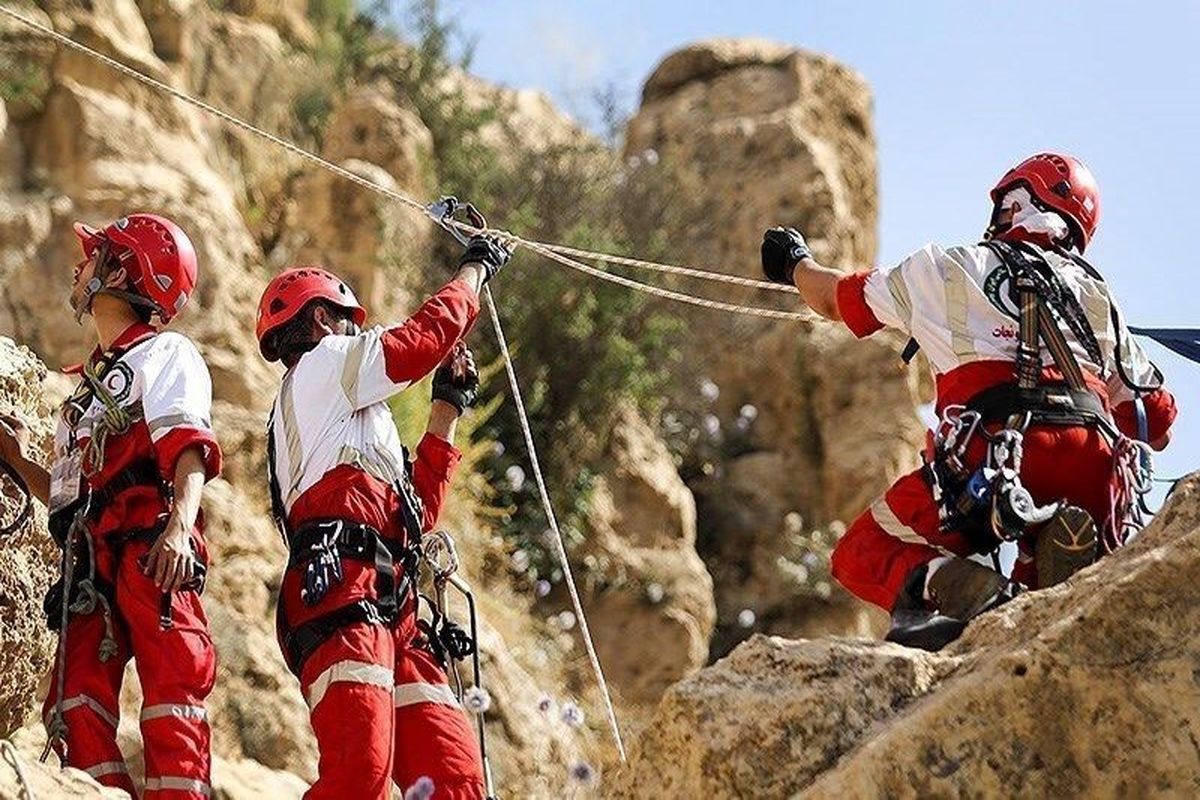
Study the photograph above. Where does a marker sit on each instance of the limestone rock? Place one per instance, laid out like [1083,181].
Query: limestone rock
[776,135]
[651,586]
[360,236]
[28,558]
[170,24]
[1087,689]
[369,126]
[234,780]
[289,16]
[47,780]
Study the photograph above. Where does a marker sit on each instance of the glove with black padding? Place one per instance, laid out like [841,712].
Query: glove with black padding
[457,380]
[487,251]
[782,250]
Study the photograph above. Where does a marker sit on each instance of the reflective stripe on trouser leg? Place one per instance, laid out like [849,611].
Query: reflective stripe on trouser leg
[91,708]
[177,668]
[434,737]
[347,682]
[168,783]
[885,543]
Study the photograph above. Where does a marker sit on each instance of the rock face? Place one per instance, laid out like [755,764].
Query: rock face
[774,135]
[652,586]
[27,557]
[1085,690]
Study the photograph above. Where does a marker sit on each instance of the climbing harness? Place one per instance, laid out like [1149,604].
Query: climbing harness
[443,212]
[450,642]
[13,759]
[988,504]
[75,506]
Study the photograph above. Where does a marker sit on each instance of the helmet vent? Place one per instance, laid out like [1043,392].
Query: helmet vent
[277,306]
[1062,189]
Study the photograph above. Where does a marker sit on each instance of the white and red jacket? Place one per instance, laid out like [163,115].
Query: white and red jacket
[955,303]
[162,382]
[337,451]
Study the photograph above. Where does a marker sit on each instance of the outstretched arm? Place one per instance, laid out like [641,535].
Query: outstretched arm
[787,259]
[416,346]
[14,446]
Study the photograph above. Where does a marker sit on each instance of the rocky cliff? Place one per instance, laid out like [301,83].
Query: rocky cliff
[804,423]
[778,135]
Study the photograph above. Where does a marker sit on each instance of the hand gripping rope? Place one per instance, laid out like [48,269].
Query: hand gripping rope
[442,212]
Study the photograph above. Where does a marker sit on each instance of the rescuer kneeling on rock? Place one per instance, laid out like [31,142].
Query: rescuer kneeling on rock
[133,449]
[1046,405]
[353,508]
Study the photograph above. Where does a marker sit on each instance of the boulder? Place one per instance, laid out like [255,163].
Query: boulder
[648,583]
[799,418]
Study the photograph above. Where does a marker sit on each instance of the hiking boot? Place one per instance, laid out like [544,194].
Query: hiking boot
[1065,545]
[960,590]
[964,589]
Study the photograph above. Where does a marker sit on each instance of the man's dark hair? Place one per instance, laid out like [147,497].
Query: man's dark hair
[296,337]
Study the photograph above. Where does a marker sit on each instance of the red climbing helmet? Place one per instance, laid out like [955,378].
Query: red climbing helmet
[293,289]
[156,254]
[1061,183]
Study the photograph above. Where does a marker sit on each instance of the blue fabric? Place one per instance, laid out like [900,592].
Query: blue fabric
[1184,341]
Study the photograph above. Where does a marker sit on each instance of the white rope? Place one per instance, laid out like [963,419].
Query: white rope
[554,252]
[14,760]
[559,543]
[671,269]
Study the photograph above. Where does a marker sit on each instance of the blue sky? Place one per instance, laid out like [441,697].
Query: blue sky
[962,90]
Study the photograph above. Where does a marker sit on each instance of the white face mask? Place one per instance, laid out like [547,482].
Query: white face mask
[1031,219]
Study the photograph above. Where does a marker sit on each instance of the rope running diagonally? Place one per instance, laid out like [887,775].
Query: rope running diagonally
[561,252]
[557,538]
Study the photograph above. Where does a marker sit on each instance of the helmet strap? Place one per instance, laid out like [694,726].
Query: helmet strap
[96,283]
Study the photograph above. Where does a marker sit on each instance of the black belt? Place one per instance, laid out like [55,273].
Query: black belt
[325,541]
[355,540]
[1049,404]
[139,473]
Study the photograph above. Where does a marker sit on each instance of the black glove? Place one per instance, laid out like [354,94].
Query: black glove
[782,249]
[488,251]
[459,391]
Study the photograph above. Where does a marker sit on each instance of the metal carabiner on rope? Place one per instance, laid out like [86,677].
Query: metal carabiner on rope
[442,212]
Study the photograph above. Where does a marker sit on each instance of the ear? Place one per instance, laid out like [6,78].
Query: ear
[116,279]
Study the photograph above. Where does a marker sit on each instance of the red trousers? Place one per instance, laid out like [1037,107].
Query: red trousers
[176,667]
[383,712]
[900,531]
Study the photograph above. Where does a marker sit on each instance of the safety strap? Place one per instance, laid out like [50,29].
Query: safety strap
[1044,300]
[278,509]
[301,641]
